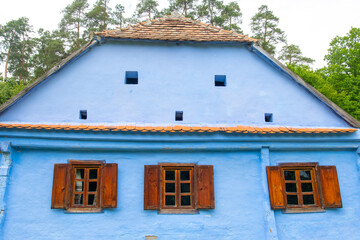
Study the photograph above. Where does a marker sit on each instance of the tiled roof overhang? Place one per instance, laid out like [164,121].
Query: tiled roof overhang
[178,129]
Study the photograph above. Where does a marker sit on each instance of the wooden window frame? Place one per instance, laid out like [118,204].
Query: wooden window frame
[177,167]
[297,167]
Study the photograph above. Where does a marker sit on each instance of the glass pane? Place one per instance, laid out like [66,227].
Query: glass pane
[291,187]
[184,175]
[79,186]
[169,175]
[305,175]
[185,200]
[306,187]
[185,187]
[170,187]
[78,200]
[93,174]
[92,199]
[308,199]
[170,200]
[289,175]
[80,173]
[92,186]
[292,199]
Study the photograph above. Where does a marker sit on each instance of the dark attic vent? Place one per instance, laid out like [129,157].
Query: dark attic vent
[83,114]
[268,117]
[178,115]
[131,77]
[220,80]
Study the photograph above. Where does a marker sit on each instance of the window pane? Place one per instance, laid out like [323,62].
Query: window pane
[93,174]
[308,199]
[291,187]
[305,175]
[92,186]
[78,200]
[184,175]
[185,200]
[289,175]
[292,199]
[185,187]
[170,200]
[79,173]
[306,187]
[170,187]
[92,199]
[79,186]
[169,175]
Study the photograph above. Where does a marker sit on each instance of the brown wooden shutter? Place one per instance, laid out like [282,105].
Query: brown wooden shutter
[275,182]
[109,185]
[59,186]
[151,187]
[205,196]
[329,183]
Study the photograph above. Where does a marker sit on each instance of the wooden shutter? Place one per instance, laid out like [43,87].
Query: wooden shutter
[205,197]
[151,187]
[329,183]
[109,185]
[275,182]
[59,186]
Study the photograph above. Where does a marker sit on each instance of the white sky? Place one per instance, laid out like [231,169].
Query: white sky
[311,24]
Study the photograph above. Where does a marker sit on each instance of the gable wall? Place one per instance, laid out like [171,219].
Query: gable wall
[171,78]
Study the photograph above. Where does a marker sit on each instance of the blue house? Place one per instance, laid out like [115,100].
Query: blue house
[174,129]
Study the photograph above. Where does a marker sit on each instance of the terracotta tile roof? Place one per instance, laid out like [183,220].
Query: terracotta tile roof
[179,129]
[176,28]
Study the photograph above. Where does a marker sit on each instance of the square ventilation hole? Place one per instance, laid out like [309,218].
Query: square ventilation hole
[83,114]
[268,117]
[131,77]
[220,80]
[178,116]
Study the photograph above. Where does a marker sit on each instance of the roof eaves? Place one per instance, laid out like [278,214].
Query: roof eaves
[47,74]
[338,110]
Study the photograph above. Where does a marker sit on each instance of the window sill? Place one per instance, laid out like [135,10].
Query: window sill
[84,210]
[304,210]
[178,211]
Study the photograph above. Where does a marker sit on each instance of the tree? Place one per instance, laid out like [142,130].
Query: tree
[231,16]
[49,51]
[73,23]
[14,39]
[184,7]
[264,25]
[99,16]
[210,11]
[146,8]
[291,54]
[118,16]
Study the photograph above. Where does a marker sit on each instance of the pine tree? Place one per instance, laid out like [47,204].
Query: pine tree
[73,23]
[146,9]
[231,16]
[264,25]
[118,18]
[184,7]
[291,54]
[99,16]
[209,11]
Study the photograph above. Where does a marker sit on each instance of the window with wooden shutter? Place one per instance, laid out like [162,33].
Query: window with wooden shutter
[303,187]
[178,188]
[85,186]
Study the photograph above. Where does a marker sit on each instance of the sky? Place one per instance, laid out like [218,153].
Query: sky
[310,24]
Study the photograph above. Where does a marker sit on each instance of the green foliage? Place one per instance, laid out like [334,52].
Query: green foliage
[146,9]
[99,16]
[291,54]
[231,17]
[184,7]
[9,88]
[118,18]
[264,25]
[209,11]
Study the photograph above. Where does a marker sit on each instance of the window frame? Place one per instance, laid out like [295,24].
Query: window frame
[177,167]
[76,164]
[313,167]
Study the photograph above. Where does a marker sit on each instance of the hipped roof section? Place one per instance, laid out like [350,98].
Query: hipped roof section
[178,28]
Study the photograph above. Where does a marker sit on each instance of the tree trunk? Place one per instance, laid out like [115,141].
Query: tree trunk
[78,31]
[22,59]
[105,15]
[8,55]
[185,9]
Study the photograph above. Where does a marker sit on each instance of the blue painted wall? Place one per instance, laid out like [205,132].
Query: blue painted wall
[171,78]
[241,208]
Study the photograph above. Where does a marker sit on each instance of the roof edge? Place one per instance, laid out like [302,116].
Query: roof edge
[47,74]
[338,110]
